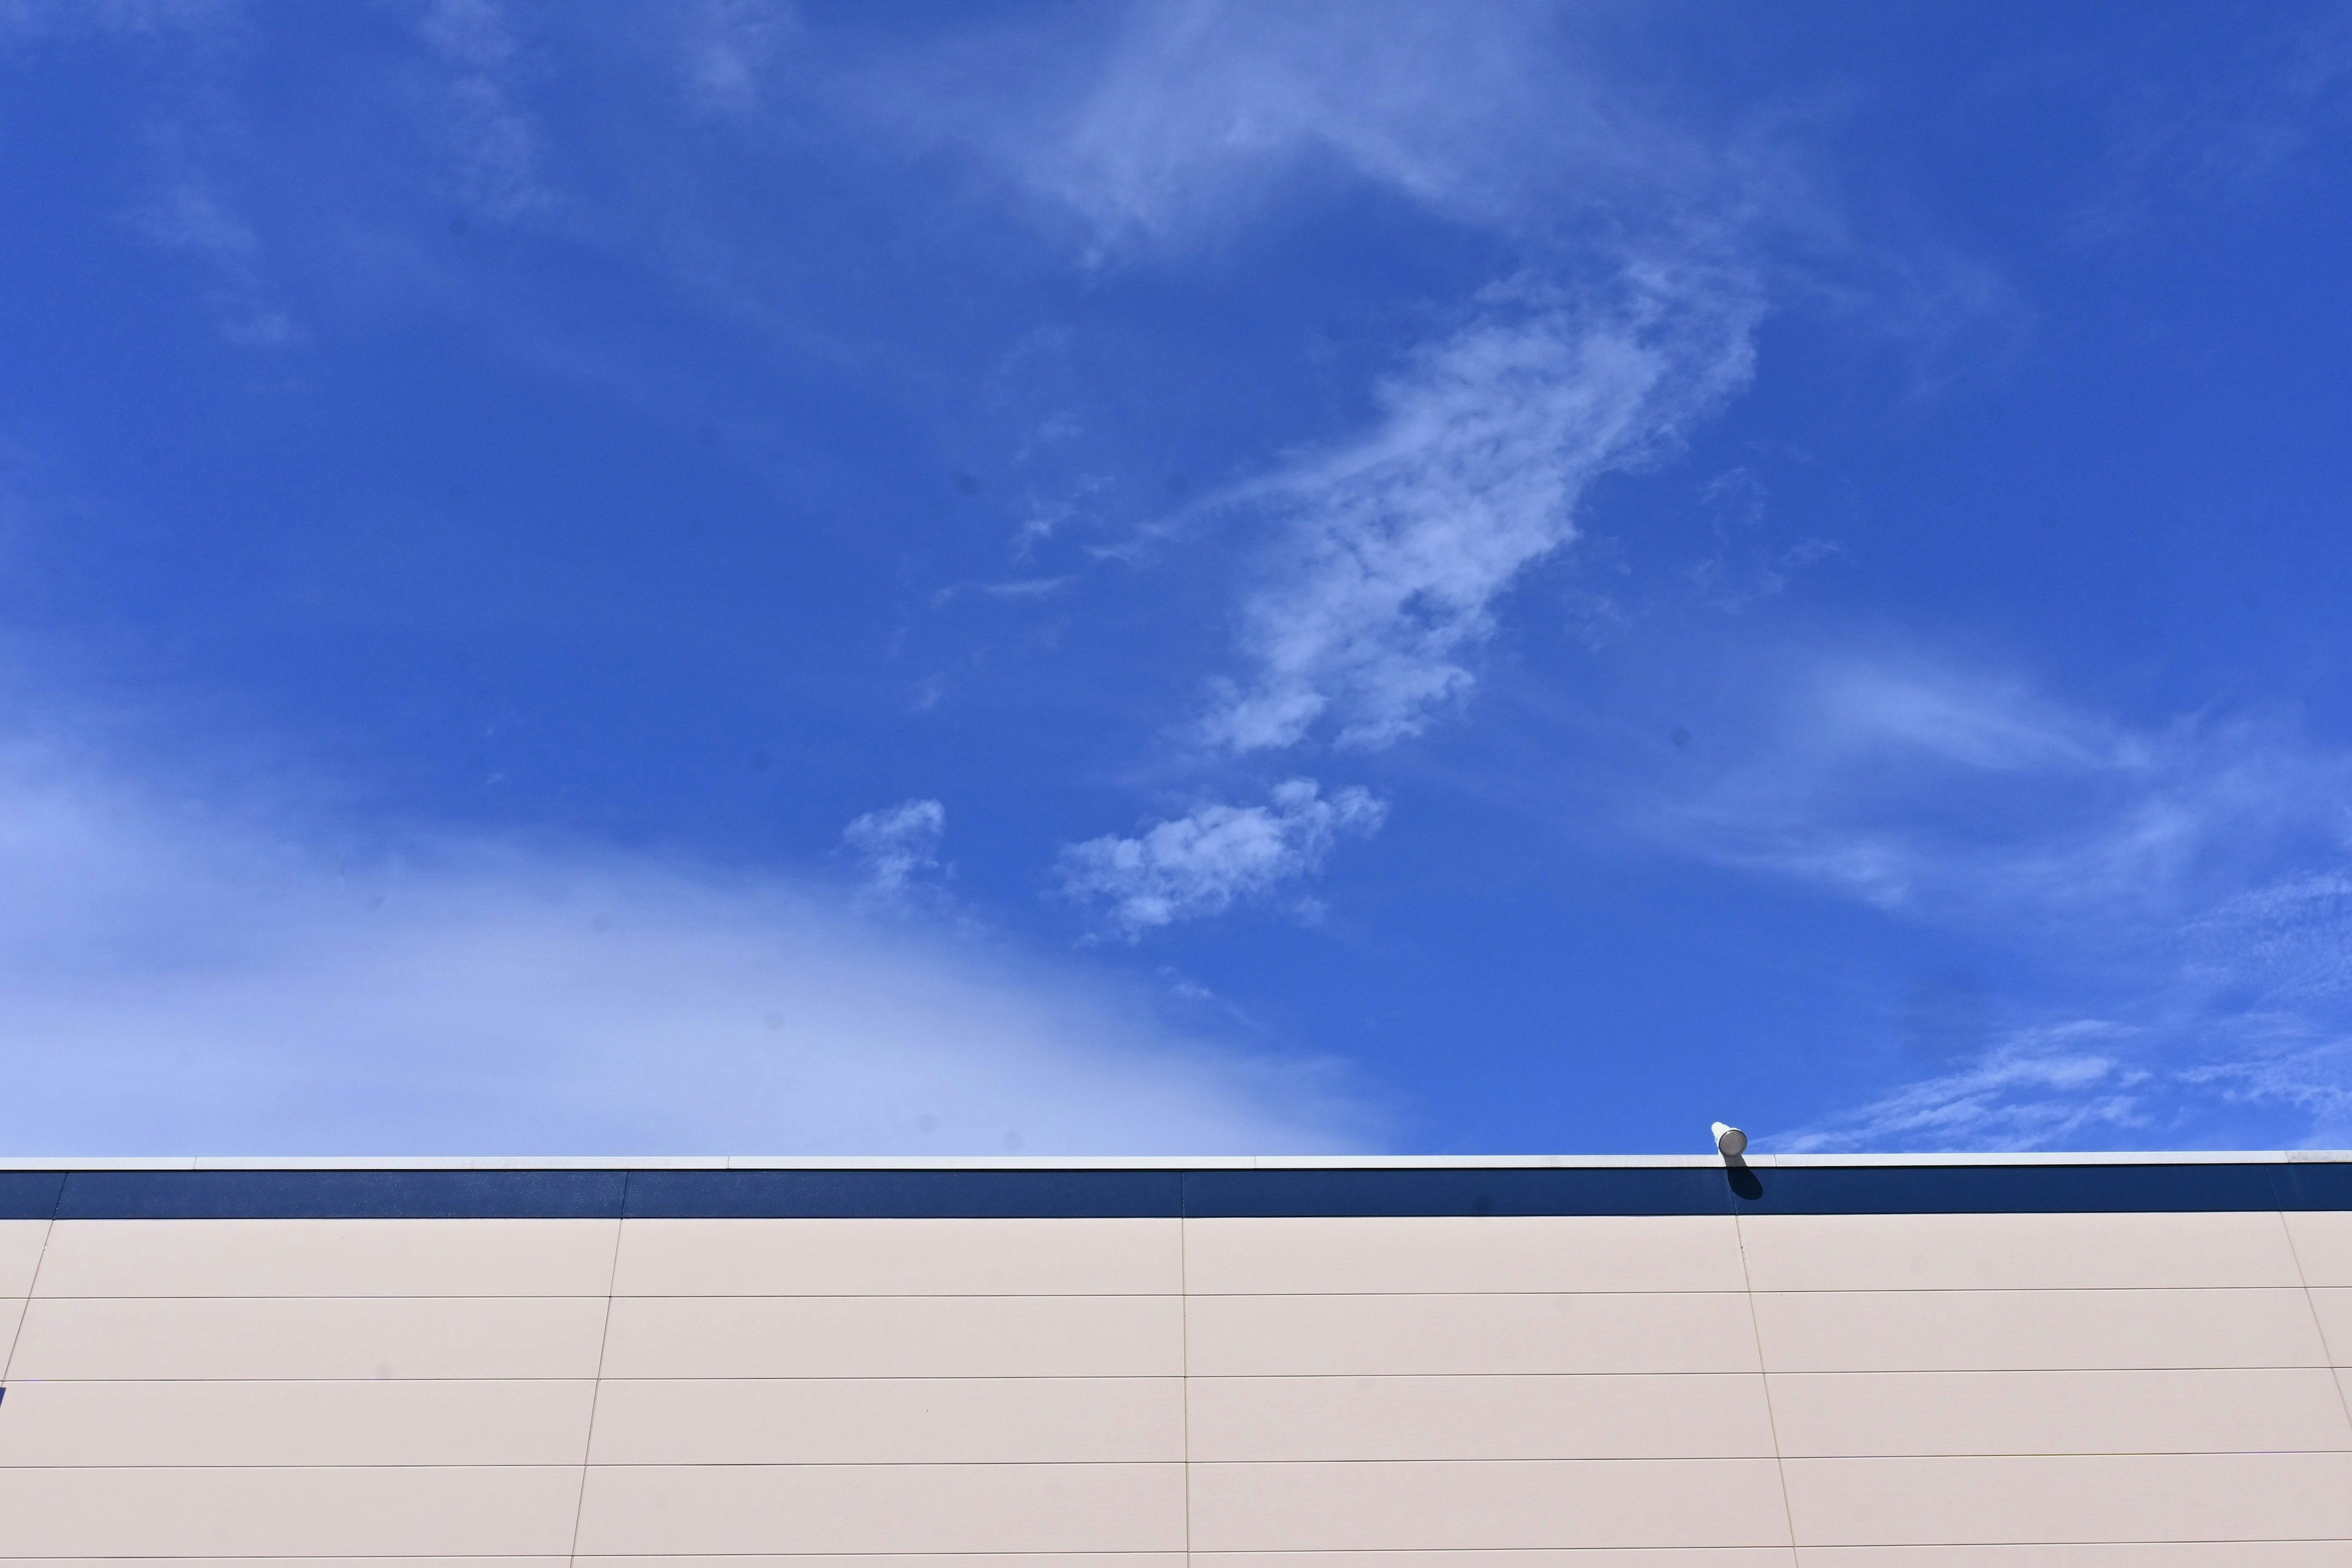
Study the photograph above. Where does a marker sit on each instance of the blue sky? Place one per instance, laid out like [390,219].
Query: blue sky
[1177,578]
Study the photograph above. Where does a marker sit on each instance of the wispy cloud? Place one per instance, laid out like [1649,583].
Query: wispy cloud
[491,142]
[71,18]
[1210,860]
[729,46]
[2234,125]
[1389,553]
[2050,1086]
[1395,550]
[1157,123]
[181,977]
[1954,795]
[188,218]
[897,845]
[2181,893]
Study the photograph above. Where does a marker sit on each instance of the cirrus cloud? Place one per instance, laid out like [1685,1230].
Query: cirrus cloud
[1207,861]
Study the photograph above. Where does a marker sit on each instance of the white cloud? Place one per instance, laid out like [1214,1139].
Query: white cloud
[2179,898]
[2087,1081]
[1151,124]
[491,143]
[187,216]
[1394,550]
[1960,797]
[1212,858]
[730,45]
[898,843]
[72,17]
[2298,1069]
[2046,1086]
[182,978]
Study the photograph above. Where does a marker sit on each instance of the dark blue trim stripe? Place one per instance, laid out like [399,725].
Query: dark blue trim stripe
[1591,1191]
[342,1194]
[1116,1195]
[29,1194]
[906,1195]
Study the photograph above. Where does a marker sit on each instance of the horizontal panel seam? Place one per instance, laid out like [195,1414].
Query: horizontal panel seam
[1171,1459]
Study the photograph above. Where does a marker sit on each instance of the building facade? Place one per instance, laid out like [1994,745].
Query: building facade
[1535,1363]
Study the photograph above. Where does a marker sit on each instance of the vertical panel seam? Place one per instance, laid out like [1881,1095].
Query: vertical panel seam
[596,1385]
[2319,1328]
[32,1284]
[1184,1363]
[1764,1378]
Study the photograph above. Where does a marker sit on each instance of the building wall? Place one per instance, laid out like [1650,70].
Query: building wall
[1932,1391]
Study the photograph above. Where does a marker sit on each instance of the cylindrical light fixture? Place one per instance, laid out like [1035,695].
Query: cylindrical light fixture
[1730,1139]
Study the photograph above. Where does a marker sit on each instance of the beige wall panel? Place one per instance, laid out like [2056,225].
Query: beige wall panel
[854,1421]
[1693,1557]
[2076,1497]
[900,1258]
[2013,1330]
[345,1423]
[2334,1310]
[905,1559]
[20,1253]
[294,1338]
[1486,1505]
[508,1511]
[1699,1415]
[2016,1251]
[2323,1245]
[1403,1256]
[1697,1557]
[2178,1411]
[551,1561]
[851,1509]
[329,1257]
[1244,1336]
[896,1336]
[12,1313]
[2098,1555]
[1571,1557]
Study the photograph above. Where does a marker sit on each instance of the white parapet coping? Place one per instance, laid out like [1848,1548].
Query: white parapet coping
[1145,1163]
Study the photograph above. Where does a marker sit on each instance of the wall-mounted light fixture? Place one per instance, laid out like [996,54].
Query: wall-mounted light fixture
[1729,1140]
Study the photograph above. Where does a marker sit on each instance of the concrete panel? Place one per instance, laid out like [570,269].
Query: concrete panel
[329,1257]
[552,1336]
[282,1423]
[850,1508]
[2323,1245]
[1243,1336]
[20,1253]
[1453,1256]
[1701,1416]
[2177,1412]
[2334,1310]
[830,1421]
[2103,1555]
[905,1560]
[506,1510]
[2006,1331]
[1571,1557]
[547,1562]
[900,1336]
[1485,1505]
[2078,1498]
[2016,1251]
[900,1258]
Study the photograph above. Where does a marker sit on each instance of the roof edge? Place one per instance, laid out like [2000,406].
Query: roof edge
[1157,1163]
